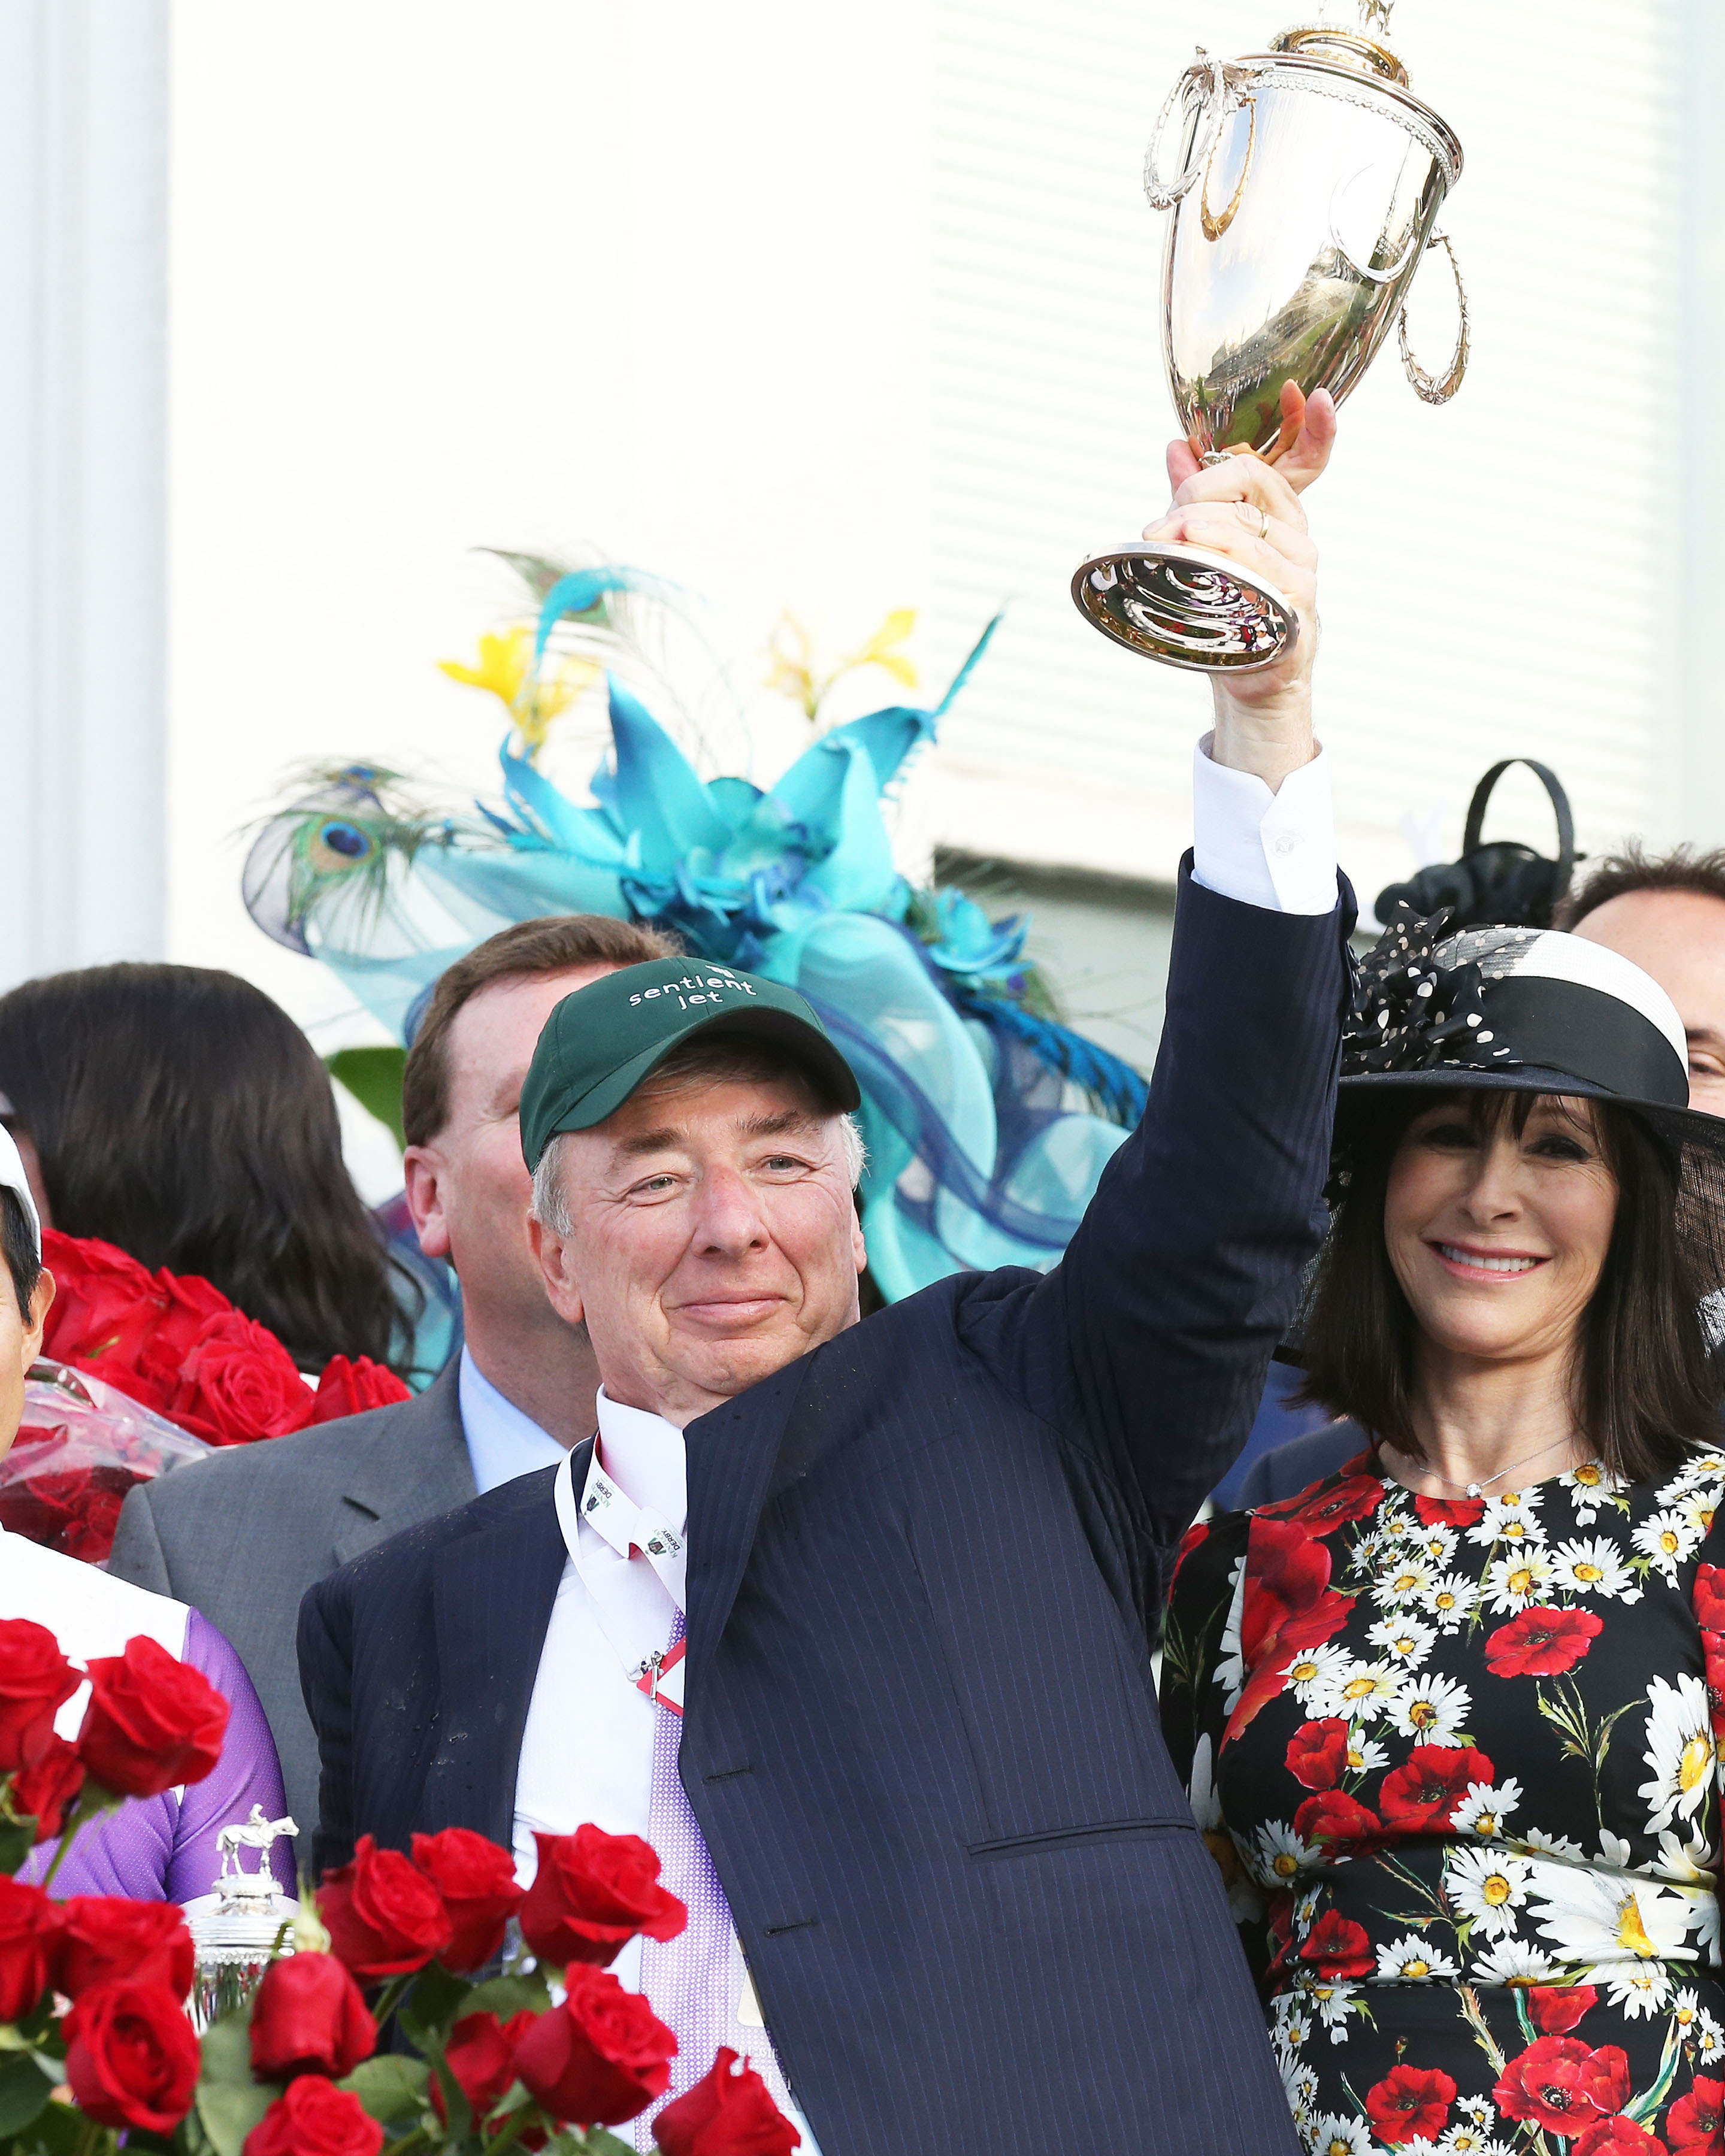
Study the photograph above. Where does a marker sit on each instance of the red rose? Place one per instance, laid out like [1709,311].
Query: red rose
[131,2058]
[383,1917]
[1562,2084]
[152,1723]
[1556,2008]
[1695,2124]
[1339,1822]
[314,2118]
[1429,1784]
[1410,2101]
[481,2055]
[43,1792]
[1541,1643]
[593,1892]
[1323,1508]
[35,1680]
[1317,1752]
[30,1925]
[476,1880]
[238,1384]
[1622,2137]
[308,2017]
[725,2113]
[1338,1947]
[1708,1596]
[1449,1513]
[105,1306]
[110,1940]
[88,1534]
[346,1388]
[598,2058]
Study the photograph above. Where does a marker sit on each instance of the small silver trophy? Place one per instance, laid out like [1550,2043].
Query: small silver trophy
[1307,193]
[242,1924]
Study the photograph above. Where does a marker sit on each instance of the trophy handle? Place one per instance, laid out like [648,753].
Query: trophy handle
[1164,194]
[1360,268]
[1439,389]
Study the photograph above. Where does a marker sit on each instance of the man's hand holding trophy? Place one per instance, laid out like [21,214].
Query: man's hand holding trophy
[1307,191]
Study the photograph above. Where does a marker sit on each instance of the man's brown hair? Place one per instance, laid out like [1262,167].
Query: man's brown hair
[1615,876]
[529,951]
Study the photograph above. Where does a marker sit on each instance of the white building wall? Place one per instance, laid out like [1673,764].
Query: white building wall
[855,308]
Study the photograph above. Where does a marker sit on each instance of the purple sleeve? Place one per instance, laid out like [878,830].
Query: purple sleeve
[157,1849]
[246,1773]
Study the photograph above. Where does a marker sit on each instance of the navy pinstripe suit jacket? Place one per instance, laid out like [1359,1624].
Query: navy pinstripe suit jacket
[925,1563]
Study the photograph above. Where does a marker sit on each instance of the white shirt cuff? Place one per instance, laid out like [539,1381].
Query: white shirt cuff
[1277,851]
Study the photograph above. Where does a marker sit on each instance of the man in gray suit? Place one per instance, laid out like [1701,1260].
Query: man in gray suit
[241,1536]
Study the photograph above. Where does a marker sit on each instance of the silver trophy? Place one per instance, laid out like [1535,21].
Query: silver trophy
[1305,196]
[241,1925]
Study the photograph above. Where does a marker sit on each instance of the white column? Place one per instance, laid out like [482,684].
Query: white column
[83,271]
[1696,420]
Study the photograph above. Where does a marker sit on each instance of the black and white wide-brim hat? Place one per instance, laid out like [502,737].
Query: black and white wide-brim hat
[1534,1010]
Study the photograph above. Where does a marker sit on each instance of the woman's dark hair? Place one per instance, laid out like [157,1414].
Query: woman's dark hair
[179,1113]
[17,1247]
[1645,1389]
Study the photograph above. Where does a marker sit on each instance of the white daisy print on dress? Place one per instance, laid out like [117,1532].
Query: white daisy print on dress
[1332,2135]
[1367,1690]
[1280,1855]
[1640,1989]
[1595,1917]
[1410,1960]
[1432,1710]
[1679,1751]
[1513,1961]
[1450,1601]
[1514,1583]
[1666,1537]
[1513,1517]
[1406,1641]
[1589,1486]
[1592,1566]
[1317,1670]
[1407,1577]
[1487,1887]
[1485,1807]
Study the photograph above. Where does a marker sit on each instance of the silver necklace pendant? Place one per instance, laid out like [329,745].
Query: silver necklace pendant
[1474,1490]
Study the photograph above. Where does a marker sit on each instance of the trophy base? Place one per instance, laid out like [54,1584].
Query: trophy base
[1185,607]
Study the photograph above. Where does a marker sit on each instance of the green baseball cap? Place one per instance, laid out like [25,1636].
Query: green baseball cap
[599,1044]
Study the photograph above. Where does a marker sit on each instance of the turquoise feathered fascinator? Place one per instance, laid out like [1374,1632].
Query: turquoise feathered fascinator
[988,1122]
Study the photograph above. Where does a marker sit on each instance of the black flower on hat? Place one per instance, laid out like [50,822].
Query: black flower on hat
[1413,1012]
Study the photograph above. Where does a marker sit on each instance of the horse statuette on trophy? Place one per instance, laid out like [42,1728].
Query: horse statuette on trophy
[1307,193]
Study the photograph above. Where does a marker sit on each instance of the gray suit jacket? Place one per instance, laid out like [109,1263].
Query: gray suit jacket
[241,1536]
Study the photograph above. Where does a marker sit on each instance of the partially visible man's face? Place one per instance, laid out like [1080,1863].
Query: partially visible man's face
[714,1240]
[20,1344]
[1678,937]
[469,1189]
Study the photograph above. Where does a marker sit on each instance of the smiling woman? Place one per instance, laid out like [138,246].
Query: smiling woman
[1458,1709]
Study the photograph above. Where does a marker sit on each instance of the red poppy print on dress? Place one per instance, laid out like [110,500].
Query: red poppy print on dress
[1331,1505]
[1288,1605]
[1695,2124]
[1563,2085]
[1317,1752]
[1429,1784]
[1338,1947]
[1410,2103]
[1542,1643]
[1339,1822]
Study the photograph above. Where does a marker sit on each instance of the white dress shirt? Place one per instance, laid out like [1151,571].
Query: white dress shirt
[502,1443]
[1277,851]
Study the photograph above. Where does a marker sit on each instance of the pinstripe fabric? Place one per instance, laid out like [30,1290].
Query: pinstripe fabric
[925,1564]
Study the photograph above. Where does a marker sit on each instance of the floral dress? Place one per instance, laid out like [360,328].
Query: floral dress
[1458,1762]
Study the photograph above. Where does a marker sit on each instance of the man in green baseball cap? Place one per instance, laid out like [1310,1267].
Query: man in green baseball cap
[943,1885]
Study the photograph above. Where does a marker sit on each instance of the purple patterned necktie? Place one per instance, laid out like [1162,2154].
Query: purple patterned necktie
[693,1981]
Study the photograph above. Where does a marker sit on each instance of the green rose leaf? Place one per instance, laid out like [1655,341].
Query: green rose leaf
[24,2091]
[391,2088]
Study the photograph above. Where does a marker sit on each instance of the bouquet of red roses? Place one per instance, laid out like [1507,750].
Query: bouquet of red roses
[176,1344]
[95,2043]
[167,1368]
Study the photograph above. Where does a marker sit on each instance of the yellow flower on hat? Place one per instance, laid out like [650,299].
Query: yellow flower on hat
[533,699]
[801,671]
